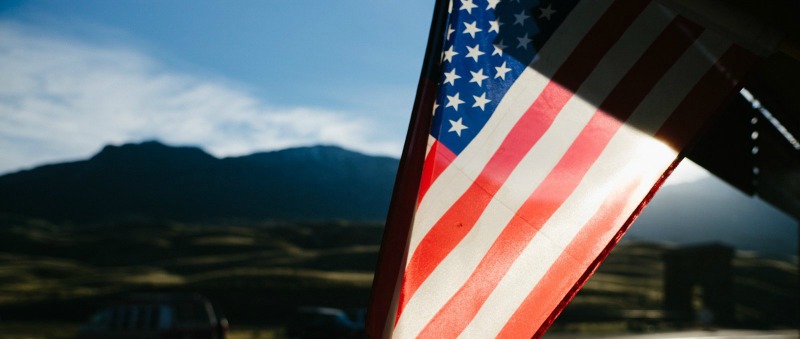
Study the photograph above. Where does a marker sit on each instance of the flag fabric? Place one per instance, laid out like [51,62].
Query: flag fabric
[554,124]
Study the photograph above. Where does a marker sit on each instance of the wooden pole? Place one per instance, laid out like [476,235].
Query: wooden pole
[391,260]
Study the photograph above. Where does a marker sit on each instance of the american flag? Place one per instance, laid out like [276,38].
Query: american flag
[553,125]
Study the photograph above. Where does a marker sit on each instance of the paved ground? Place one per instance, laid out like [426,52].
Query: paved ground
[732,334]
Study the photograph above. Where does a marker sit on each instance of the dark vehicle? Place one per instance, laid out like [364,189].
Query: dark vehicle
[323,322]
[162,316]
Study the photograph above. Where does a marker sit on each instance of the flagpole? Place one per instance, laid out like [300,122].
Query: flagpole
[388,271]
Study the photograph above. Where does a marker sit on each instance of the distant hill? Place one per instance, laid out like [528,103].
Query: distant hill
[153,181]
[709,210]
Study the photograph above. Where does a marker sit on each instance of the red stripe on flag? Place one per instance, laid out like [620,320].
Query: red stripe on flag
[707,95]
[564,178]
[439,157]
[461,217]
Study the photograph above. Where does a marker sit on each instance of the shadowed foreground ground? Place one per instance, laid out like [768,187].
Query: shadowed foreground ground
[52,277]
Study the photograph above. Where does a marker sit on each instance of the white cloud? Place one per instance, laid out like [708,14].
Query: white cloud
[64,99]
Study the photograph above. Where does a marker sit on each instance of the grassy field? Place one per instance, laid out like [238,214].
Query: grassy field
[255,274]
[38,330]
[258,274]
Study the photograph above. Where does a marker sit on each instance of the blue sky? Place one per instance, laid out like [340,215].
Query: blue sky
[233,77]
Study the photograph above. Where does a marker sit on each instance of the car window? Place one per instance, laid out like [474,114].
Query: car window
[165,317]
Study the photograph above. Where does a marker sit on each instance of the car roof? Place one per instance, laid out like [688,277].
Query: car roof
[320,310]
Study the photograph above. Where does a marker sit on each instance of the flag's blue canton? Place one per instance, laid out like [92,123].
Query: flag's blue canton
[488,44]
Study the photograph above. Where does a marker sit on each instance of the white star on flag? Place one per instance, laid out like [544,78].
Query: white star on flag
[501,71]
[547,12]
[467,5]
[453,101]
[472,29]
[524,41]
[450,77]
[495,26]
[492,4]
[498,48]
[520,18]
[481,101]
[478,77]
[449,53]
[457,126]
[474,52]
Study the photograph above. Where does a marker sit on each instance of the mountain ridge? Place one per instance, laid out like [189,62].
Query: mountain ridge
[151,180]
[711,211]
